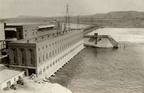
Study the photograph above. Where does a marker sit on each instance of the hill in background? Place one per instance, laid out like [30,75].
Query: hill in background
[111,19]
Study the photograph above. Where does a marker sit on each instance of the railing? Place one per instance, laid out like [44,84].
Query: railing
[113,42]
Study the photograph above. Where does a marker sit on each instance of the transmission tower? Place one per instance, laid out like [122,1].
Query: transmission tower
[67,18]
[91,20]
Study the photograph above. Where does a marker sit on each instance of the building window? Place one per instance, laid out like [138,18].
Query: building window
[22,56]
[43,57]
[8,83]
[47,55]
[40,72]
[39,59]
[50,65]
[53,53]
[47,67]
[15,55]
[15,80]
[44,70]
[58,50]
[31,55]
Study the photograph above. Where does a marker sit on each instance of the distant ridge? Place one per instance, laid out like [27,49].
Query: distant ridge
[120,14]
[110,19]
[25,16]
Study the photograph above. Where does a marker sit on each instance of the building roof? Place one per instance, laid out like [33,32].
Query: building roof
[7,74]
[24,23]
[45,26]
[41,38]
[10,29]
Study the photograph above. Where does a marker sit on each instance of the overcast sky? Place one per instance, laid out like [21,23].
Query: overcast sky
[14,8]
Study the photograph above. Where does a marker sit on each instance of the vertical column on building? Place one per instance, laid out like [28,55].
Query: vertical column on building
[26,61]
[34,58]
[18,57]
[11,56]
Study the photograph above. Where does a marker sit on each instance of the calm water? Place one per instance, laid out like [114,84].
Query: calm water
[107,70]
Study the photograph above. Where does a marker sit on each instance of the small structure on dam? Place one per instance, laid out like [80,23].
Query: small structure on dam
[101,41]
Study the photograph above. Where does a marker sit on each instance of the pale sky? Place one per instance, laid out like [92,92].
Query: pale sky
[46,8]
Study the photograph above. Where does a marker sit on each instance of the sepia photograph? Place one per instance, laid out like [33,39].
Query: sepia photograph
[71,46]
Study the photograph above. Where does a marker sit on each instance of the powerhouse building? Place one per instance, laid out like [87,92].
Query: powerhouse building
[44,48]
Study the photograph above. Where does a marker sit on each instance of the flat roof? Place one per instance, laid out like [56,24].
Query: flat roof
[10,29]
[41,38]
[24,23]
[45,26]
[7,74]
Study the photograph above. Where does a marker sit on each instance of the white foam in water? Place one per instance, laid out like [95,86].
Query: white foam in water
[132,35]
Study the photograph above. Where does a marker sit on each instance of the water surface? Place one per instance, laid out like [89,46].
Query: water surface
[96,70]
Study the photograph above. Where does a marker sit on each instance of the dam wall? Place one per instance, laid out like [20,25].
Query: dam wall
[90,29]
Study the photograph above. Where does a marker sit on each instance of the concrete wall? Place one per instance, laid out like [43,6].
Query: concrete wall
[51,66]
[2,35]
[22,54]
[30,31]
[41,51]
[51,47]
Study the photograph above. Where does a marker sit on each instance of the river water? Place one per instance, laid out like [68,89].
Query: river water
[96,70]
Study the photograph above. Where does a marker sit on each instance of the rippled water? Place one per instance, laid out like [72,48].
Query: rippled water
[107,70]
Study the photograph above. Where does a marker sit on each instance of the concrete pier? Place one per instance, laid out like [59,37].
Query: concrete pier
[101,41]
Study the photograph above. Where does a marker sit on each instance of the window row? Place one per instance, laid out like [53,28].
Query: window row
[61,41]
[51,52]
[51,66]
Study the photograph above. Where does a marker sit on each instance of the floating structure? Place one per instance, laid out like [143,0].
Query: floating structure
[101,41]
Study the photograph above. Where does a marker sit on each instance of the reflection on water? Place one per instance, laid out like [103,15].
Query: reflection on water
[108,70]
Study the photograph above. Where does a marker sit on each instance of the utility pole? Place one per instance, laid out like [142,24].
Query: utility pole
[91,20]
[78,22]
